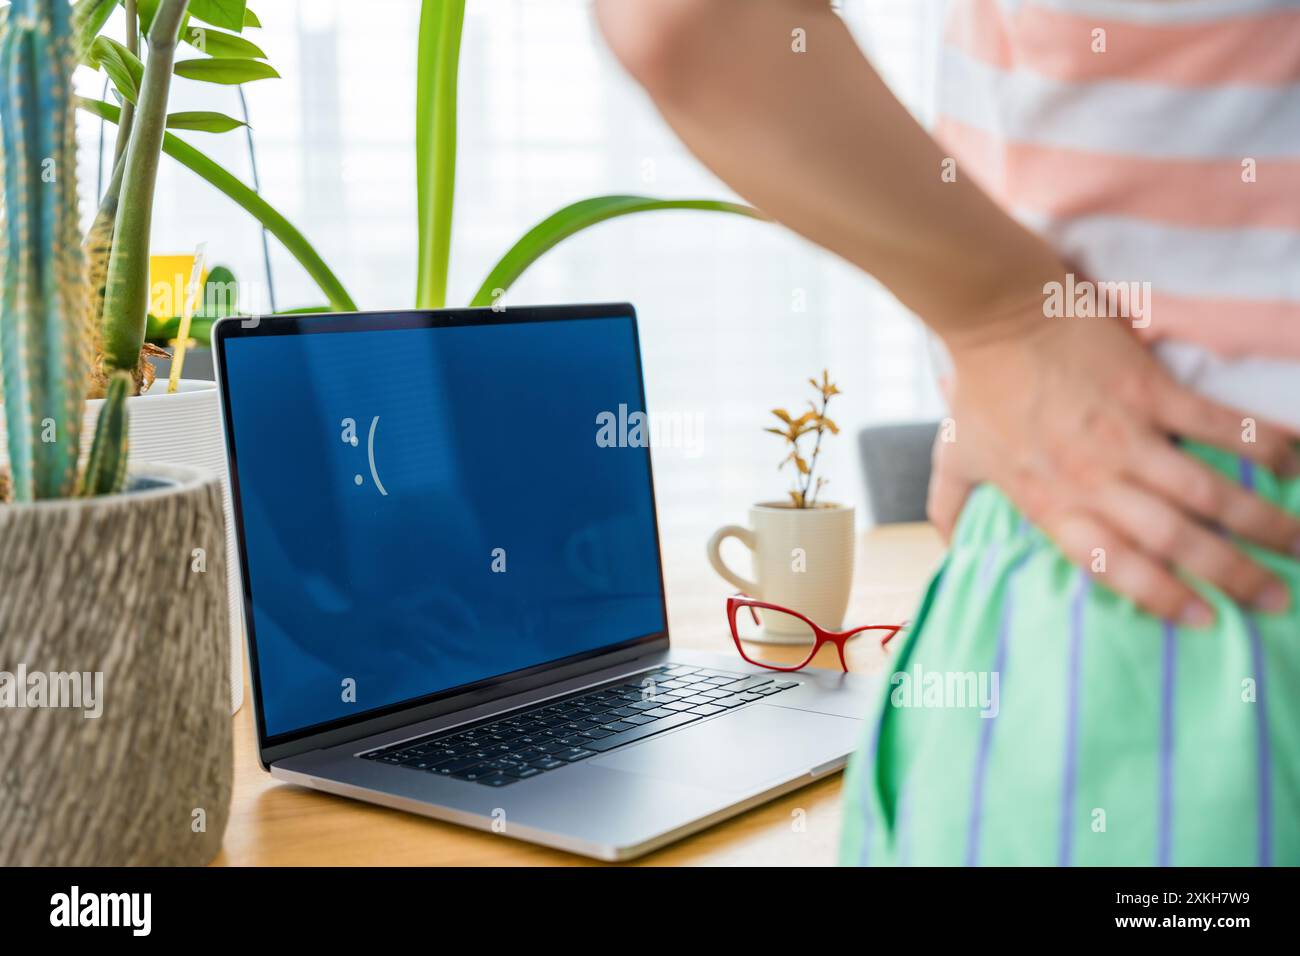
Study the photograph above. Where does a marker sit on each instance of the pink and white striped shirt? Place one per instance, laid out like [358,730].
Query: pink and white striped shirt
[1150,141]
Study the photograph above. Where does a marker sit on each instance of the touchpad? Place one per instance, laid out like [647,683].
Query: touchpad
[741,750]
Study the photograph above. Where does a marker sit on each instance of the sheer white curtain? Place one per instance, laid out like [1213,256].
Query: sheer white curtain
[735,314]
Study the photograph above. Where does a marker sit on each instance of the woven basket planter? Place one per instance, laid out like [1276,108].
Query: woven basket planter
[117,586]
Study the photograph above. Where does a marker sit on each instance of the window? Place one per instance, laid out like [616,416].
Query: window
[735,314]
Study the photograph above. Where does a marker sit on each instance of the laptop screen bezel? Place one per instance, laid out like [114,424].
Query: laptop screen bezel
[277,746]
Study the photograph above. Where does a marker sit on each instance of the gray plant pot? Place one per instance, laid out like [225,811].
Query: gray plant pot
[113,586]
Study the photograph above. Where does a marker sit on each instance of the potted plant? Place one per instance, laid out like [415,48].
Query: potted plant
[177,421]
[802,548]
[115,736]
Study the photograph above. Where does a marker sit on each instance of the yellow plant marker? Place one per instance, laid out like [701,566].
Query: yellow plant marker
[187,313]
[167,275]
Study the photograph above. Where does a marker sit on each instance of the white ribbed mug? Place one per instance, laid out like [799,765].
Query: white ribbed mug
[802,560]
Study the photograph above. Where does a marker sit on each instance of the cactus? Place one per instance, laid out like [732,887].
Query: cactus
[106,467]
[43,302]
[43,287]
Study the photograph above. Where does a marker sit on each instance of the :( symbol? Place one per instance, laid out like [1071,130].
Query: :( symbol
[359,479]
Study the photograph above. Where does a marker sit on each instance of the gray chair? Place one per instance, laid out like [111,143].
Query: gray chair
[896,469]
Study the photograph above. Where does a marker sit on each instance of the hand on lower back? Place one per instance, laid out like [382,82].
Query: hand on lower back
[950,482]
[1074,420]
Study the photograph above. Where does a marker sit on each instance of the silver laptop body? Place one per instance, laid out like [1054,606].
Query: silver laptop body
[615,804]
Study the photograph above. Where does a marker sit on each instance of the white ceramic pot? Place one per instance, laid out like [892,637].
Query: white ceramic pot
[802,559]
[184,428]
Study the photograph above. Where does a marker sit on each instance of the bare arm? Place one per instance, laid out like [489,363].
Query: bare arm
[1072,418]
[817,141]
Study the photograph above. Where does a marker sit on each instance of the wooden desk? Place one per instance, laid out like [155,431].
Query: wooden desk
[272,823]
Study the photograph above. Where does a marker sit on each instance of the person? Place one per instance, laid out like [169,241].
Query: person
[1126,563]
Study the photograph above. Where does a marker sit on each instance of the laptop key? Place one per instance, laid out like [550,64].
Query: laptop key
[637,719]
[474,773]
[647,730]
[523,773]
[747,683]
[618,725]
[729,702]
[548,763]
[578,753]
[463,750]
[707,710]
[678,705]
[497,780]
[455,765]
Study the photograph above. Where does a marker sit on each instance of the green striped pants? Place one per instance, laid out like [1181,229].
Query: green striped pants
[1033,717]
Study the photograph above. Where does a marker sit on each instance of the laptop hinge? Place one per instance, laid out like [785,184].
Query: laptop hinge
[478,704]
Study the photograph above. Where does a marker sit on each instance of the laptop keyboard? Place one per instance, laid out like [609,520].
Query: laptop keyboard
[553,735]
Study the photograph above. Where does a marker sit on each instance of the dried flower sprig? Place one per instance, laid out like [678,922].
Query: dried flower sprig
[807,484]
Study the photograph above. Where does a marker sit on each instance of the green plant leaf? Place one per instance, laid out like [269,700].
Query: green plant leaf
[222,45]
[228,71]
[105,471]
[88,18]
[161,332]
[275,223]
[220,293]
[204,121]
[577,216]
[145,11]
[250,19]
[122,66]
[220,13]
[438,59]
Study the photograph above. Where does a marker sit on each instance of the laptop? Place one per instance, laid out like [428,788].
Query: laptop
[453,589]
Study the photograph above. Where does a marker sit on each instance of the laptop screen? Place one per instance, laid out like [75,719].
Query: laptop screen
[425,508]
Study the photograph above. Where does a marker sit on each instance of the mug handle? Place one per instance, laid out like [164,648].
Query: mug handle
[745,537]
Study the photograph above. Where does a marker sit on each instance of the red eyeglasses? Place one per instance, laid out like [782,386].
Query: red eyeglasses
[783,627]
